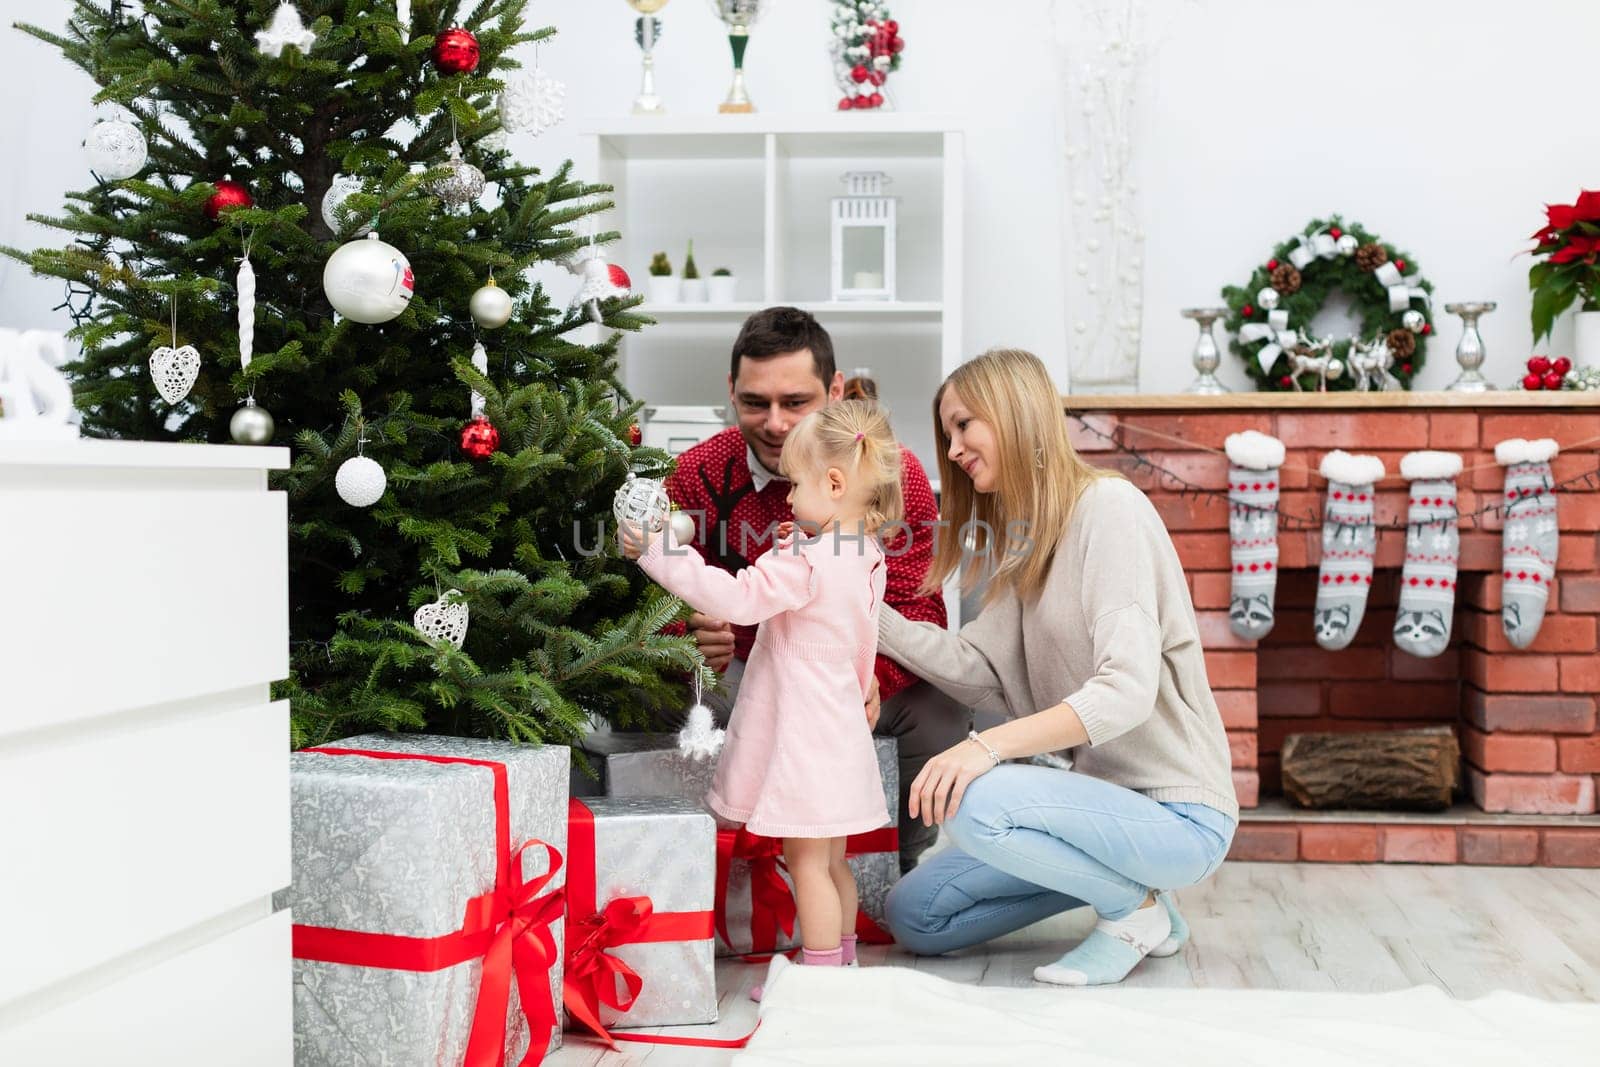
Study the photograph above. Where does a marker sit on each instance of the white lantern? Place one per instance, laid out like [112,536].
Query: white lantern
[863,239]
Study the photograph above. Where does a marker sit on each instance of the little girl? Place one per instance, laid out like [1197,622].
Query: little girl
[798,762]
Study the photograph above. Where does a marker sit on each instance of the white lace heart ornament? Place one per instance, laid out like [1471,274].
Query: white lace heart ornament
[174,371]
[443,620]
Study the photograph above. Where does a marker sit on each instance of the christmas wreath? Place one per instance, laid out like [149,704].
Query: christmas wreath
[1270,316]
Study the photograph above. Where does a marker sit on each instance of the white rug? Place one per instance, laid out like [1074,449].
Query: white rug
[892,1015]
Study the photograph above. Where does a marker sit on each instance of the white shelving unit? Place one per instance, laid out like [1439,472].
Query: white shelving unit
[144,767]
[753,192]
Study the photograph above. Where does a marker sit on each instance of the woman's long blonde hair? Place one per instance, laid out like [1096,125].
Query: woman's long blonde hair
[1040,477]
[855,436]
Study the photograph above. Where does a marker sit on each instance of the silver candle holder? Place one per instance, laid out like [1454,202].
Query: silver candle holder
[1207,357]
[1469,350]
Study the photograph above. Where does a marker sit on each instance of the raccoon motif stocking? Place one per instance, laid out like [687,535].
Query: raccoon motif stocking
[1349,541]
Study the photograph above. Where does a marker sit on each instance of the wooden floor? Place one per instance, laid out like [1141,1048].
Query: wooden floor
[1368,928]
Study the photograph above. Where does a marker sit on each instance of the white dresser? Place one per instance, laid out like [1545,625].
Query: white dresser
[144,780]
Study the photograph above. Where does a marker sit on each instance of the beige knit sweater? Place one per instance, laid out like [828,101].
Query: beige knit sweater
[1113,633]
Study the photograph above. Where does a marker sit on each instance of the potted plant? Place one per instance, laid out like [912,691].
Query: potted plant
[724,286]
[1570,273]
[694,286]
[663,286]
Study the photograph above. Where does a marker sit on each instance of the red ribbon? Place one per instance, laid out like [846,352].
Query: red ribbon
[772,904]
[592,972]
[507,927]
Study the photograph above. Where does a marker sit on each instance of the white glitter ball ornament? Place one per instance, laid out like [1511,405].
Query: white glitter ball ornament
[462,184]
[360,481]
[116,149]
[333,200]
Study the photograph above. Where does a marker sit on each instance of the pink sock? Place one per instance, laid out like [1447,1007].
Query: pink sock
[831,958]
[847,945]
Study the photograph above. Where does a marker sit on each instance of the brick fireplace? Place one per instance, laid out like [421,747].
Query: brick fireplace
[1526,719]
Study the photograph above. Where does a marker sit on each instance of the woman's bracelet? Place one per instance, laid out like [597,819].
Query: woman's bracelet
[972,735]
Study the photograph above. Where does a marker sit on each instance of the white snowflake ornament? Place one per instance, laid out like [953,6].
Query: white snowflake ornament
[531,103]
[284,29]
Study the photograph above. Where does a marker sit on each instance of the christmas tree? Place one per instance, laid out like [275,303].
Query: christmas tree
[250,118]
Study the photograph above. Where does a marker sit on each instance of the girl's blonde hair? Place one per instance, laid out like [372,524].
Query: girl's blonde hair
[855,436]
[1040,477]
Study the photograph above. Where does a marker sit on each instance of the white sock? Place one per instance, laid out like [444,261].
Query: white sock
[1111,950]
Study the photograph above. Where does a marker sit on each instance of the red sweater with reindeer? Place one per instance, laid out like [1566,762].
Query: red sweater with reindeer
[734,524]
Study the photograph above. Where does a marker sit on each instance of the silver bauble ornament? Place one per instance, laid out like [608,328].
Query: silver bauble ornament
[641,502]
[368,281]
[338,192]
[1346,244]
[462,183]
[1413,320]
[360,482]
[491,306]
[1267,298]
[116,149]
[251,424]
[1335,369]
[681,523]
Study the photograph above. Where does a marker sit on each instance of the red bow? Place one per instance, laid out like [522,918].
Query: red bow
[771,901]
[507,927]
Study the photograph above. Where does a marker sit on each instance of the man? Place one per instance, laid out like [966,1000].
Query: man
[782,370]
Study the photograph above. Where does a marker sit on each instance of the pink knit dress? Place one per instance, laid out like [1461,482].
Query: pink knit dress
[799,760]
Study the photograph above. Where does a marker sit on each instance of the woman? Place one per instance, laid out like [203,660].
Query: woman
[1088,643]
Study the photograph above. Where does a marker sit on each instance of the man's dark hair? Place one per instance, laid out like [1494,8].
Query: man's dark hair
[777,331]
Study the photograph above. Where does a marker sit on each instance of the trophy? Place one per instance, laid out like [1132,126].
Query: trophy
[647,31]
[739,15]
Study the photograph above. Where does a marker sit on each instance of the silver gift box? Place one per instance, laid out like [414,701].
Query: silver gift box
[664,848]
[642,765]
[399,847]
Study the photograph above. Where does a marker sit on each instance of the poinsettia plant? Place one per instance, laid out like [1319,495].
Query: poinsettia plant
[1570,243]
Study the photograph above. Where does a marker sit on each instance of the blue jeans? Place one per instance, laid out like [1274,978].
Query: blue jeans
[1034,841]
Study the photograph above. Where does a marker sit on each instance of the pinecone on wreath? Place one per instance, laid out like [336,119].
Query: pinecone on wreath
[1402,342]
[1371,256]
[1286,279]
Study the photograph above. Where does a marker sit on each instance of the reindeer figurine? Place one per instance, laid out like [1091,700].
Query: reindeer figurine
[1316,357]
[1370,364]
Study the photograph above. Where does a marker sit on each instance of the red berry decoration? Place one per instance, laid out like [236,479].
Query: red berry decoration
[877,99]
[229,195]
[896,45]
[1552,380]
[635,435]
[1272,264]
[845,103]
[1561,364]
[1286,381]
[456,51]
[878,77]
[1400,265]
[479,439]
[1427,328]
[859,73]
[1532,381]
[1405,368]
[1539,364]
[1247,310]
[863,101]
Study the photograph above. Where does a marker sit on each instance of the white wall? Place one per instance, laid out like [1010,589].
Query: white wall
[1441,126]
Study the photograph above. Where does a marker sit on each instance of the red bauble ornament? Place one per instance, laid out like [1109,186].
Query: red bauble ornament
[1561,364]
[456,51]
[845,103]
[877,99]
[229,195]
[892,26]
[896,45]
[1538,364]
[1552,380]
[863,101]
[1336,233]
[1532,381]
[619,277]
[859,73]
[1247,311]
[878,77]
[479,439]
[635,435]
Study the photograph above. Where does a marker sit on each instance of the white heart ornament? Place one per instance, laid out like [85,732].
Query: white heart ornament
[174,371]
[442,620]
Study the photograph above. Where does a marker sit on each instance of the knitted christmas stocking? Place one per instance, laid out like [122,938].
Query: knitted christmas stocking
[1254,459]
[1349,541]
[1530,540]
[1433,548]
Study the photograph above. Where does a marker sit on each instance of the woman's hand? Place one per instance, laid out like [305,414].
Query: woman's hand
[936,792]
[874,705]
